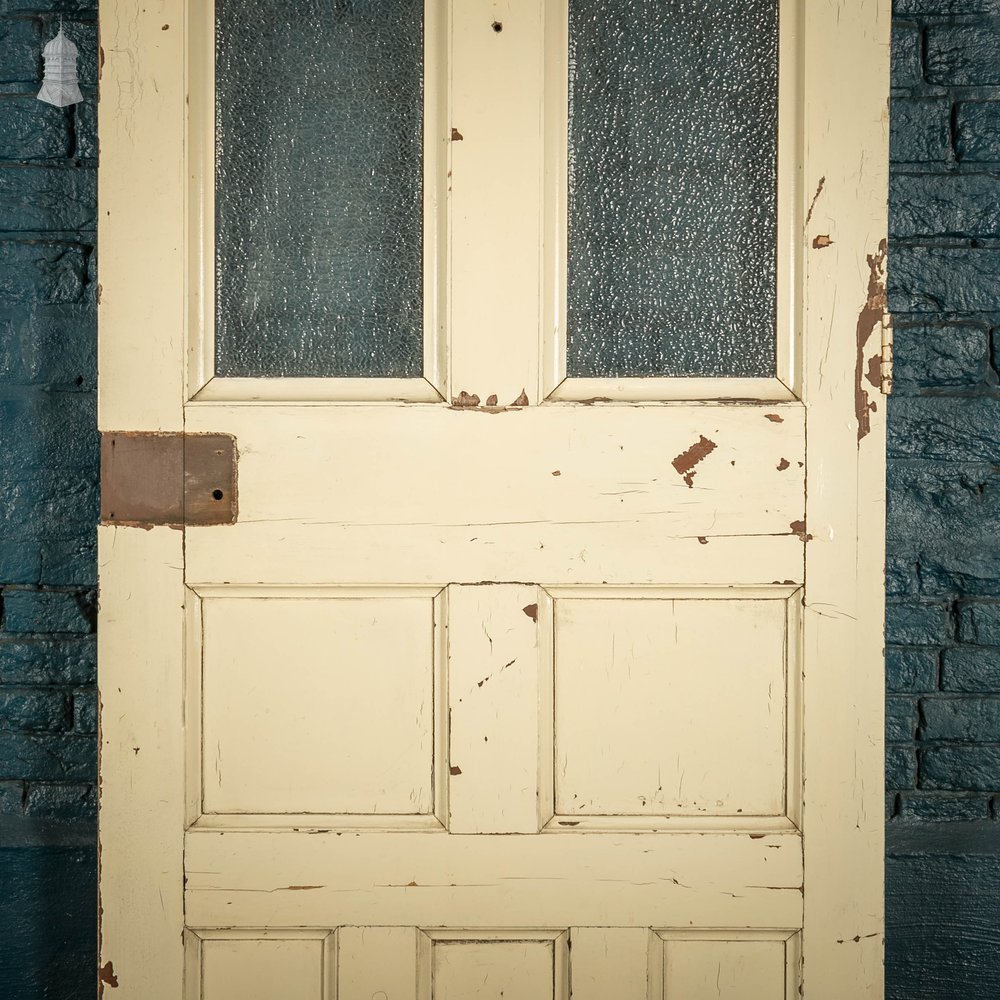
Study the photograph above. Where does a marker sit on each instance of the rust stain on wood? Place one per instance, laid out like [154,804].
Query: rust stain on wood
[531,610]
[822,242]
[686,461]
[169,479]
[106,976]
[869,321]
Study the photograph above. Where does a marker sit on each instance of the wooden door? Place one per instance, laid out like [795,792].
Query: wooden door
[500,678]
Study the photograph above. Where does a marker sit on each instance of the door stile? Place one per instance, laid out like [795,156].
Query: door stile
[142,231]
[845,203]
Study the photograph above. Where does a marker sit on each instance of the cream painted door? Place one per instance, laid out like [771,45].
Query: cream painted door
[503,683]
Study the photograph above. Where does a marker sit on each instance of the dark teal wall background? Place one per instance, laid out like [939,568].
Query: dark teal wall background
[48,510]
[943,655]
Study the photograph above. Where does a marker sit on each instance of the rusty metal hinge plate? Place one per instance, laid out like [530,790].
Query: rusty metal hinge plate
[171,479]
[886,363]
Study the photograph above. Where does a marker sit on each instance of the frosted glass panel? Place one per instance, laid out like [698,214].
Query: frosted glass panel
[672,187]
[318,188]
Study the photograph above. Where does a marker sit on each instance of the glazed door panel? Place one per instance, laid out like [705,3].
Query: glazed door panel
[509,673]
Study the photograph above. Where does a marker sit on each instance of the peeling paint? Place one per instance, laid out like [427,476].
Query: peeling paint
[822,242]
[106,976]
[784,464]
[812,207]
[491,399]
[456,136]
[869,321]
[454,770]
[521,400]
[775,418]
[799,528]
[531,610]
[685,462]
[465,400]
[874,373]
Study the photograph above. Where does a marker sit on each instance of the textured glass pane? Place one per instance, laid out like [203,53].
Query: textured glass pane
[318,187]
[672,187]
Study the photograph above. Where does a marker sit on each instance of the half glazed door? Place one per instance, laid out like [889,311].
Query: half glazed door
[493,489]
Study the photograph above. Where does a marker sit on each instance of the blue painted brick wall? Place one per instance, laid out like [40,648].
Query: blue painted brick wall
[48,512]
[943,657]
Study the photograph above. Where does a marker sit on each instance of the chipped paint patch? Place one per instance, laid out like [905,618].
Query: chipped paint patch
[106,976]
[799,528]
[822,242]
[521,400]
[531,610]
[456,136]
[775,418]
[869,321]
[686,461]
[784,464]
[465,400]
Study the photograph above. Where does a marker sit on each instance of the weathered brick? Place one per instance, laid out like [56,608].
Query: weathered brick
[927,498]
[907,55]
[940,355]
[900,767]
[901,573]
[84,35]
[948,429]
[20,561]
[934,279]
[48,504]
[971,669]
[20,50]
[944,205]
[33,271]
[977,131]
[47,757]
[910,8]
[919,130]
[964,54]
[61,801]
[49,344]
[32,130]
[979,622]
[85,130]
[11,798]
[968,719]
[917,624]
[38,710]
[48,661]
[41,611]
[960,569]
[54,428]
[69,562]
[960,768]
[900,719]
[85,711]
[942,808]
[40,6]
[47,199]
[910,670]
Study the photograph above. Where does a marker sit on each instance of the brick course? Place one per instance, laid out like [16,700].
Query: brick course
[48,465]
[943,572]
